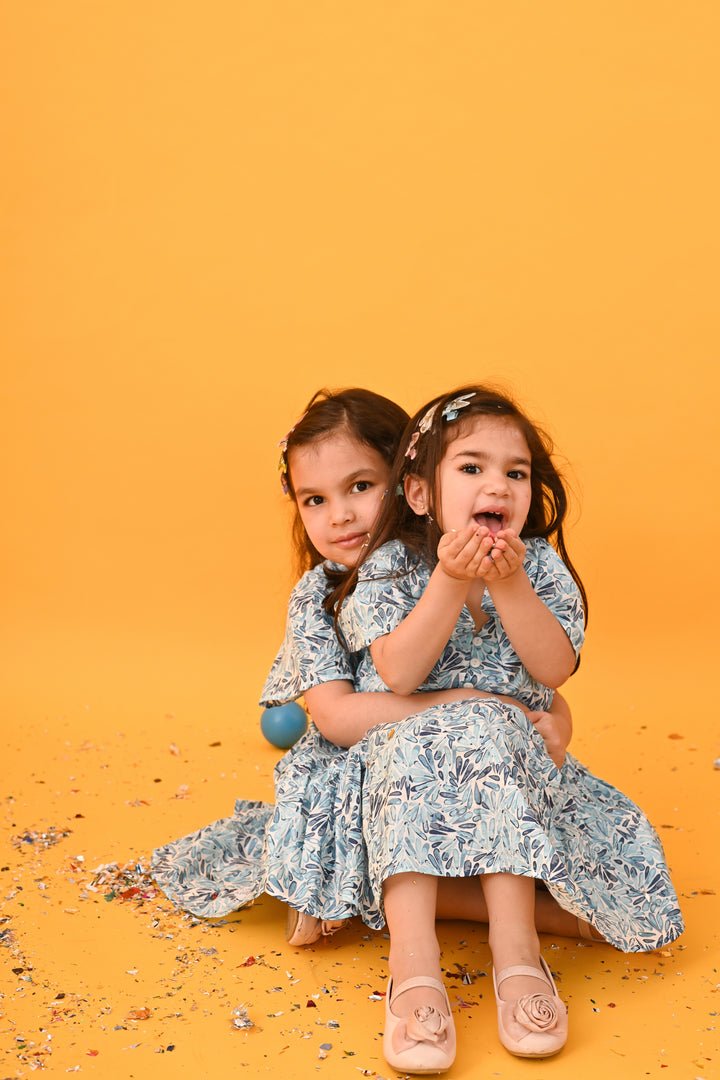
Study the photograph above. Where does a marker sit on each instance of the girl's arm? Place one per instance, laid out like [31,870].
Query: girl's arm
[344,716]
[405,657]
[535,634]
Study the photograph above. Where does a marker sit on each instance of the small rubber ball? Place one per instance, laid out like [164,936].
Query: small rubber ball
[282,725]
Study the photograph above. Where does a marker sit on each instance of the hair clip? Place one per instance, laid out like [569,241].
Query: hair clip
[282,466]
[450,412]
[282,463]
[453,407]
[412,449]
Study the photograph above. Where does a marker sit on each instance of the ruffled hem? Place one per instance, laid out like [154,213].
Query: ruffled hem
[457,791]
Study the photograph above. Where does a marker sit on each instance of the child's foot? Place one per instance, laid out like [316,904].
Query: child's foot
[533,1024]
[422,1041]
[304,929]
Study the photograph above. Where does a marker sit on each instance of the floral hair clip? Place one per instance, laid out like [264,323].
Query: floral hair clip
[282,463]
[453,407]
[450,412]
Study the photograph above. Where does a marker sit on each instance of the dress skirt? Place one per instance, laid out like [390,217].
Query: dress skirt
[459,790]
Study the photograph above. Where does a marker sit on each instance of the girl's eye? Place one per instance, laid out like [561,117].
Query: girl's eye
[362,485]
[314,500]
[473,470]
[517,474]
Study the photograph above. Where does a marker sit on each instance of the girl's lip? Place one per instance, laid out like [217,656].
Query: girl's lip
[350,539]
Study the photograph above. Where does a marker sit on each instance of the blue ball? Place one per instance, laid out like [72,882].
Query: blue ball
[282,725]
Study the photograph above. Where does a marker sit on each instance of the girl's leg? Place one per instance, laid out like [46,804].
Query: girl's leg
[419,1030]
[463,898]
[410,905]
[532,1021]
[512,933]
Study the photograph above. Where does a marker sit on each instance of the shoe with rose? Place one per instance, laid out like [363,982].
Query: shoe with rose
[534,1025]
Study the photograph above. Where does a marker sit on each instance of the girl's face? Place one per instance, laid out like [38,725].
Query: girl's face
[339,485]
[484,478]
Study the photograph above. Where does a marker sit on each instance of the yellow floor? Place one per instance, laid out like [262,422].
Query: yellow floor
[123,985]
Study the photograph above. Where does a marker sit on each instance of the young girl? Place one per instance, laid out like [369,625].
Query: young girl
[335,465]
[461,585]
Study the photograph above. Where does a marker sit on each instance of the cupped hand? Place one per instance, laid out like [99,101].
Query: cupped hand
[505,557]
[462,553]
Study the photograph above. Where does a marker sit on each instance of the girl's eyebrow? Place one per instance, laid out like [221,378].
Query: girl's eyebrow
[349,479]
[483,455]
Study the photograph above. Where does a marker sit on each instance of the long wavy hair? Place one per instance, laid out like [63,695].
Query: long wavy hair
[370,419]
[420,455]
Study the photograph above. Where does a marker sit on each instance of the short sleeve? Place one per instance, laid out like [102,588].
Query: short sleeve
[558,590]
[388,589]
[310,653]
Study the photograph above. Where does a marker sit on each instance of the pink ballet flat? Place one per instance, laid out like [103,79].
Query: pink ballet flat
[303,929]
[534,1025]
[423,1042]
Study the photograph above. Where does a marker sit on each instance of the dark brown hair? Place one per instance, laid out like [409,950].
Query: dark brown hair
[371,419]
[421,535]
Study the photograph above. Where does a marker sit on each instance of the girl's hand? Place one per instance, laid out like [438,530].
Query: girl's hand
[553,735]
[505,557]
[461,554]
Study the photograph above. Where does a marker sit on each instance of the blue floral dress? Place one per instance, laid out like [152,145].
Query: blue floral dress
[460,789]
[265,847]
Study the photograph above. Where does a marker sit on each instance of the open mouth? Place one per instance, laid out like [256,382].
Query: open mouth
[491,519]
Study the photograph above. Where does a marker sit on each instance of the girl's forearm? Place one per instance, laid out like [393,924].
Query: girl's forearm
[405,657]
[344,716]
[535,634]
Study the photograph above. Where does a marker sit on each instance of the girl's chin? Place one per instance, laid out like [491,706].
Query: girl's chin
[348,559]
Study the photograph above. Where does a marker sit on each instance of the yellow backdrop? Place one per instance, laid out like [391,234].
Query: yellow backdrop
[213,210]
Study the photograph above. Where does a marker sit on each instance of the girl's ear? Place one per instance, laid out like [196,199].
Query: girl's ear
[416,494]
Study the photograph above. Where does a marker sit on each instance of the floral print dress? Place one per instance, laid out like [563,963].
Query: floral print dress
[459,789]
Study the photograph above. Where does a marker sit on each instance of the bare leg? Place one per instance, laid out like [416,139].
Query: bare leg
[463,898]
[410,903]
[512,935]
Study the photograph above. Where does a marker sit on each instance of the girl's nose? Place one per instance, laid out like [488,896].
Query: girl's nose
[495,483]
[340,512]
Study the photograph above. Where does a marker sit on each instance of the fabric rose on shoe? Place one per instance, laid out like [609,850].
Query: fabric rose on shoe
[537,1012]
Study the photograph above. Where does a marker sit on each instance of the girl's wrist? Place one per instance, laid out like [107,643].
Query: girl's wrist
[462,583]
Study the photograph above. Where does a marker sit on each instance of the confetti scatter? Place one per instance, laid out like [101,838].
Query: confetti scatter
[139,1014]
[240,1019]
[41,840]
[125,882]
